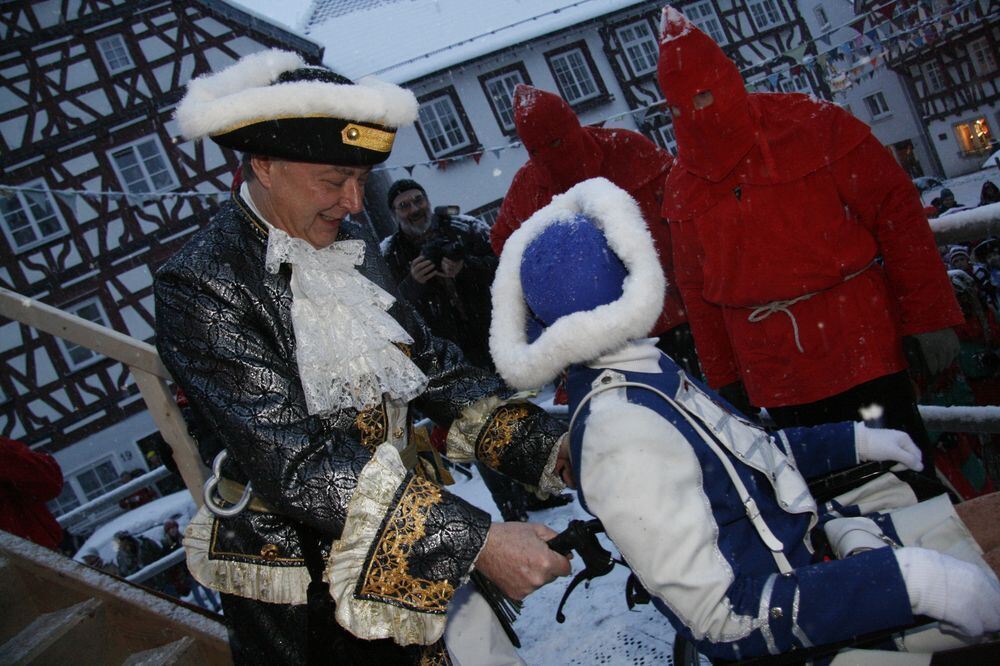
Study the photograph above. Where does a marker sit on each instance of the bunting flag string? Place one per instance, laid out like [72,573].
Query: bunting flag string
[861,54]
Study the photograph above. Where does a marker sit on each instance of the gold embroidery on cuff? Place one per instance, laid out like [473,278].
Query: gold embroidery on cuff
[371,423]
[499,432]
[435,655]
[464,430]
[387,573]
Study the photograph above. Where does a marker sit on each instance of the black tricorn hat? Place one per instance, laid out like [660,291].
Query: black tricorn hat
[272,103]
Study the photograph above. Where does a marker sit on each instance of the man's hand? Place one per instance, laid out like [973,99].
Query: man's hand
[450,268]
[422,269]
[564,466]
[518,560]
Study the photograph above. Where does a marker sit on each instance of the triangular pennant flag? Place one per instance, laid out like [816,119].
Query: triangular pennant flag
[409,169]
[477,156]
[887,9]
[797,53]
[68,199]
[496,151]
[826,39]
[442,165]
[773,79]
[858,25]
[845,49]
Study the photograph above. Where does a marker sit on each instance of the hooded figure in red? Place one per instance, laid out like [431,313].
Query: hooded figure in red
[564,153]
[800,246]
[28,480]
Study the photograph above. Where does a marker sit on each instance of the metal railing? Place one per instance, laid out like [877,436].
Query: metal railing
[124,490]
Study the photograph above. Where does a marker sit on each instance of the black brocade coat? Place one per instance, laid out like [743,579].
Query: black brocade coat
[224,331]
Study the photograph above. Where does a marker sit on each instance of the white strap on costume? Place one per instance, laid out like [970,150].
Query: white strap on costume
[772,542]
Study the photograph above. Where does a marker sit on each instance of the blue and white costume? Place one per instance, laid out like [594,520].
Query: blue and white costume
[711,512]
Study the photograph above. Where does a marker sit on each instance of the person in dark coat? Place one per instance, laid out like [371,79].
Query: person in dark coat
[444,266]
[28,479]
[989,193]
[800,279]
[324,530]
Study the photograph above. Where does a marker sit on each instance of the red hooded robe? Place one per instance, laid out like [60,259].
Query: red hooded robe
[800,246]
[27,480]
[563,153]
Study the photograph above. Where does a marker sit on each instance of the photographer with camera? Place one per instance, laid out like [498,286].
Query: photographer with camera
[444,266]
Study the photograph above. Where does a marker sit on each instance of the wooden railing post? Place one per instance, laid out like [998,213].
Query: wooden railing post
[142,359]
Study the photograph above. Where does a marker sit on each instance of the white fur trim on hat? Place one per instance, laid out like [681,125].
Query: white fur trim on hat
[581,336]
[242,94]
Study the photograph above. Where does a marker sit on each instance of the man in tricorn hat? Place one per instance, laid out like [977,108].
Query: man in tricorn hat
[323,529]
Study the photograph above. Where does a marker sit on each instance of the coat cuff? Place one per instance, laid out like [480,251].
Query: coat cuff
[406,547]
[513,436]
[275,582]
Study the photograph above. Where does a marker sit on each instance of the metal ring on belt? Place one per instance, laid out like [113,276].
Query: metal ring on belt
[208,492]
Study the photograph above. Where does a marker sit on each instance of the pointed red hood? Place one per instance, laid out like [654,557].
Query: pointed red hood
[711,140]
[553,137]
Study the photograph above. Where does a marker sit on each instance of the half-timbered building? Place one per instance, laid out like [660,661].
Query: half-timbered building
[95,192]
[947,53]
[463,58]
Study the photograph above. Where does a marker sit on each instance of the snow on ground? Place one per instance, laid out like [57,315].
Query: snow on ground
[146,520]
[599,628]
[965,188]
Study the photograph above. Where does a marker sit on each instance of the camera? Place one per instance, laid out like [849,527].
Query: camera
[446,244]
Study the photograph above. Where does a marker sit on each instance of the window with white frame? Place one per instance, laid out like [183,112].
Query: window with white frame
[30,218]
[668,139]
[76,355]
[974,136]
[877,106]
[143,167]
[84,485]
[115,53]
[499,89]
[795,83]
[984,60]
[98,479]
[933,76]
[640,46]
[67,500]
[765,13]
[441,125]
[703,15]
[574,75]
[820,12]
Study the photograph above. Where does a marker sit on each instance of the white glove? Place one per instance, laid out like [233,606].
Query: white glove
[880,444]
[939,348]
[964,597]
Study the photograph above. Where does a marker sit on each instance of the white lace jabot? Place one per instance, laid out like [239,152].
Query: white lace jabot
[343,333]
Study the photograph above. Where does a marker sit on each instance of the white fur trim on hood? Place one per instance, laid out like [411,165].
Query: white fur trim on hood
[242,94]
[581,336]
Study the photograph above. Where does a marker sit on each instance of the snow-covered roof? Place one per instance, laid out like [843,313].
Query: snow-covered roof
[403,40]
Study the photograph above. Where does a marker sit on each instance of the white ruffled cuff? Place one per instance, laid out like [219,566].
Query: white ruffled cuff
[356,575]
[269,583]
[464,430]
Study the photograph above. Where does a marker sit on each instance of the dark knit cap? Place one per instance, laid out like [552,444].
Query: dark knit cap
[402,186]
